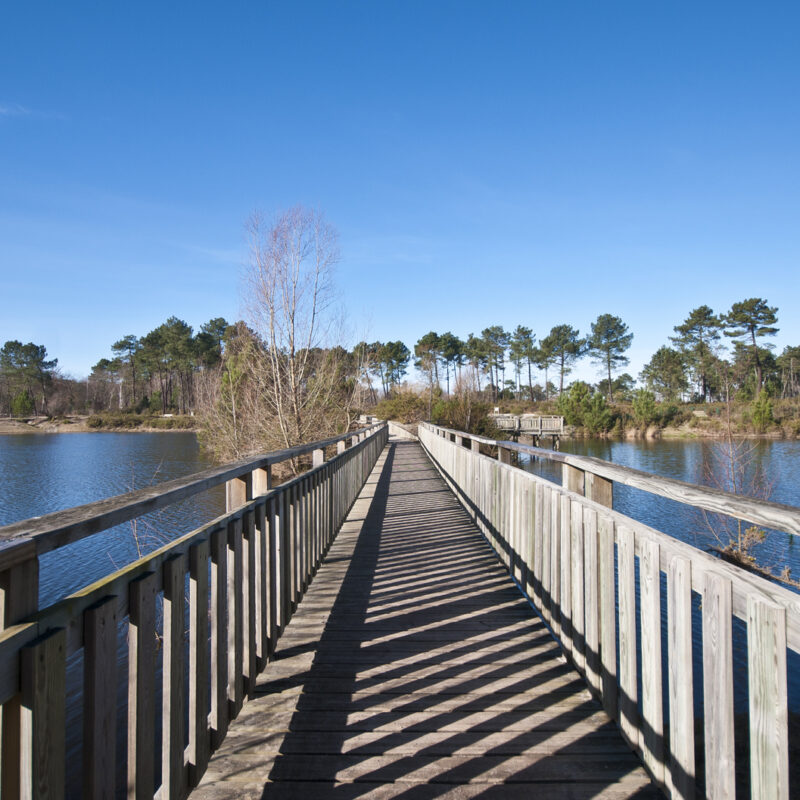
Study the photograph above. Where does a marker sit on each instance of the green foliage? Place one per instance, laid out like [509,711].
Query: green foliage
[21,405]
[748,321]
[573,403]
[762,413]
[597,416]
[665,374]
[695,340]
[608,342]
[644,408]
[564,346]
[402,407]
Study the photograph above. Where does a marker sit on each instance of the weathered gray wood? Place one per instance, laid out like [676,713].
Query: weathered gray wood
[173,774]
[591,600]
[503,455]
[766,670]
[262,481]
[43,730]
[261,581]
[718,688]
[628,694]
[284,534]
[565,578]
[680,775]
[21,540]
[141,688]
[608,614]
[249,644]
[538,546]
[199,666]
[744,583]
[238,491]
[572,478]
[760,512]
[428,698]
[100,699]
[273,576]
[235,647]
[578,580]
[219,635]
[652,738]
[599,489]
[19,597]
[555,562]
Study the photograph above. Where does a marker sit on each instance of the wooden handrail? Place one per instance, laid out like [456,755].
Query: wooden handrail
[246,570]
[40,535]
[760,512]
[575,560]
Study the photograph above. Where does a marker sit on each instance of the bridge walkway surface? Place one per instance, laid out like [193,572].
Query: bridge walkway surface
[414,668]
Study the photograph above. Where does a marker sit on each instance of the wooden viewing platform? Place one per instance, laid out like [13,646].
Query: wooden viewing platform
[355,632]
[415,668]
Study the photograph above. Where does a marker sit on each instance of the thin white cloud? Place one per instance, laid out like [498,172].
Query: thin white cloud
[13,110]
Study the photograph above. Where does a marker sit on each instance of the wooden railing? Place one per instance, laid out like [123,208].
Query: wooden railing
[245,572]
[576,560]
[529,424]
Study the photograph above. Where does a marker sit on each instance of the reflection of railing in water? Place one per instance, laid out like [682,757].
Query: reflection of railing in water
[576,559]
[247,570]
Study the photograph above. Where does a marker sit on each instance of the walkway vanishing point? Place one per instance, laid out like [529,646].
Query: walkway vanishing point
[414,668]
[355,632]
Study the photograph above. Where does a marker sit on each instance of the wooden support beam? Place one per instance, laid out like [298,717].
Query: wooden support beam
[100,699]
[43,679]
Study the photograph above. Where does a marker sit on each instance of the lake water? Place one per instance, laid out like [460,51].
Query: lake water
[40,473]
[695,461]
[44,473]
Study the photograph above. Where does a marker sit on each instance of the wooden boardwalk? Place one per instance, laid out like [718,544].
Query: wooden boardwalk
[414,668]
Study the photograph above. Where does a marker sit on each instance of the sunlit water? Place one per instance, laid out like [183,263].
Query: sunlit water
[694,461]
[41,473]
[44,473]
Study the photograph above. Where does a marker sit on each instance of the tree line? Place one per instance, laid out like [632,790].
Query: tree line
[158,372]
[694,366]
[154,373]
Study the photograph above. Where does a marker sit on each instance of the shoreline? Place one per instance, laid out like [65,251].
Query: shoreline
[44,426]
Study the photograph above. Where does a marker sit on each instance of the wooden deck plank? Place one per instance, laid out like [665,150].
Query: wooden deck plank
[414,668]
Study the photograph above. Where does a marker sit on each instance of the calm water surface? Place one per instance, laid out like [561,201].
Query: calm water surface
[695,461]
[40,473]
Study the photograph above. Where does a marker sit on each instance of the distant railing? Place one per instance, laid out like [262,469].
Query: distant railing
[576,560]
[246,572]
[529,423]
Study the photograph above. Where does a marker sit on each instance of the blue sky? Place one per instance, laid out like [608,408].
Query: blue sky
[485,163]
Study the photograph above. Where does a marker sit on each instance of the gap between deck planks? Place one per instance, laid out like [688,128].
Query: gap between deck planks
[414,668]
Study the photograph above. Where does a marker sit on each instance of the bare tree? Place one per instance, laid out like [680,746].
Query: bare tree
[287,380]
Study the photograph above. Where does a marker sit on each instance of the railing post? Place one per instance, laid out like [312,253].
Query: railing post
[43,739]
[503,455]
[317,457]
[341,446]
[476,446]
[238,491]
[19,597]
[262,481]
[459,440]
[599,489]
[572,478]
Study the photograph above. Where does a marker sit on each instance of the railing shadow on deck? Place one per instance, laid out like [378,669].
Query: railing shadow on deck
[474,682]
[595,576]
[236,581]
